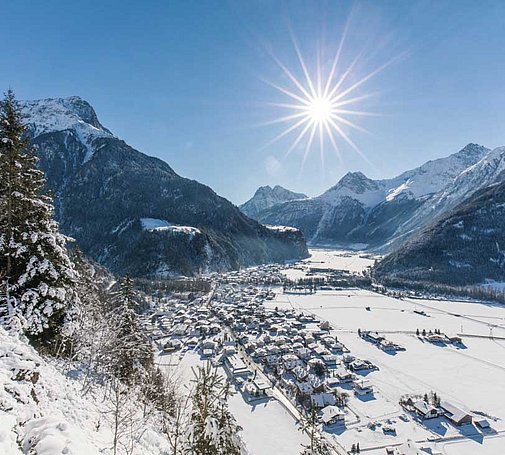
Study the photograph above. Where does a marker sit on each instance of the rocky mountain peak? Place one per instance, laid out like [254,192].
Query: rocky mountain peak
[357,182]
[59,114]
[266,197]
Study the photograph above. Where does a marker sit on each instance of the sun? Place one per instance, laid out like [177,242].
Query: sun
[321,104]
[319,110]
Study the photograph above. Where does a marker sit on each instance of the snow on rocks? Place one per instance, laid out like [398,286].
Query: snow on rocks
[281,228]
[65,114]
[157,225]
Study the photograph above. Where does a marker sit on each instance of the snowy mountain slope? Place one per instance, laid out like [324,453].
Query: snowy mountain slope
[487,171]
[465,246]
[266,197]
[433,176]
[359,210]
[103,188]
[65,114]
[45,412]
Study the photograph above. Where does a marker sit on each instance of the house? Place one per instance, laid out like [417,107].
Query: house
[337,347]
[303,353]
[257,388]
[425,410]
[344,376]
[407,448]
[272,359]
[388,346]
[360,365]
[332,415]
[321,350]
[436,338]
[236,366]
[323,399]
[301,373]
[373,337]
[180,329]
[291,361]
[331,361]
[456,415]
[454,339]
[363,387]
[304,388]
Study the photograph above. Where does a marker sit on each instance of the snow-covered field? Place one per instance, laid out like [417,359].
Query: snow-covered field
[334,259]
[268,428]
[471,376]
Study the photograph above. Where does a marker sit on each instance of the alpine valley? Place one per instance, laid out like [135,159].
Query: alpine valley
[133,213]
[413,211]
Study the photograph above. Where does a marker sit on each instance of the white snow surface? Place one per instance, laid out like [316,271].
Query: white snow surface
[282,228]
[60,114]
[155,224]
[44,411]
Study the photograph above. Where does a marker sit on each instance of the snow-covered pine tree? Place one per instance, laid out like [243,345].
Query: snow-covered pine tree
[38,274]
[94,333]
[132,353]
[213,430]
[317,444]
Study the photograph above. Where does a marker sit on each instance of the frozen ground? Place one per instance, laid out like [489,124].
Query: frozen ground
[335,259]
[471,376]
[43,410]
[268,428]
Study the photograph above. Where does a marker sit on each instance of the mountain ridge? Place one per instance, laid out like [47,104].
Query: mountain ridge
[266,197]
[377,214]
[101,183]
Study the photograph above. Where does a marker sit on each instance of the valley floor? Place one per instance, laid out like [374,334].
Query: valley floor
[470,375]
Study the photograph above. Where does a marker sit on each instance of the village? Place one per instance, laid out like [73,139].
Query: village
[273,350]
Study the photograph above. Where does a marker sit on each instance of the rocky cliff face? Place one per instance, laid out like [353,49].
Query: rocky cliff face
[104,189]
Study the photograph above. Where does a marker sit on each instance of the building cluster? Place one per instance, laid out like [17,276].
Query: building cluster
[380,341]
[296,351]
[430,406]
[439,338]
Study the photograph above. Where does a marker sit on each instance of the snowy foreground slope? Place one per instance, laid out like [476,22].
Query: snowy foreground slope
[44,412]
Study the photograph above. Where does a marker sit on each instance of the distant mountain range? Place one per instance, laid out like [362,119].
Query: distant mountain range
[132,212]
[401,214]
[378,214]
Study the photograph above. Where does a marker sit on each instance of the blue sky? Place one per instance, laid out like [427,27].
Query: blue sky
[184,80]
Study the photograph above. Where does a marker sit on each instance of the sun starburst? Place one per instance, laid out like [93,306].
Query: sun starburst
[321,105]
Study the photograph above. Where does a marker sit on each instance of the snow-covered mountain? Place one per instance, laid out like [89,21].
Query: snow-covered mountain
[266,197]
[105,190]
[465,246]
[359,211]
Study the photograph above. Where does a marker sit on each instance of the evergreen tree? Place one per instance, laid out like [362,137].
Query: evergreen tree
[38,276]
[213,428]
[132,354]
[317,444]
